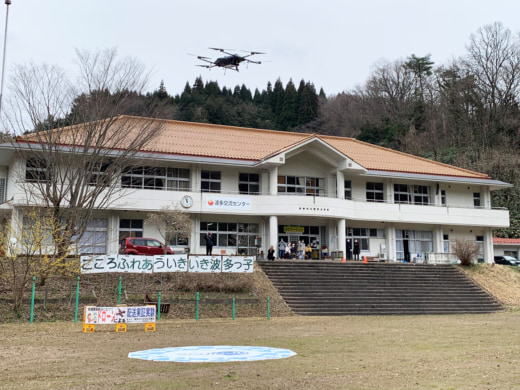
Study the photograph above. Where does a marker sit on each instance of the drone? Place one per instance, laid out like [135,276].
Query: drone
[230,61]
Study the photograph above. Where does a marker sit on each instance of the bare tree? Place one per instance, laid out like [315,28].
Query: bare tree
[78,144]
[493,59]
[171,223]
[465,251]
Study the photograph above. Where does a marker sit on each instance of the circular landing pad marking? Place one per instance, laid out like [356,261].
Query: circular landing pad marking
[219,353]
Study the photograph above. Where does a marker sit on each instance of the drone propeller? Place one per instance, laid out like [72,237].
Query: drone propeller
[221,50]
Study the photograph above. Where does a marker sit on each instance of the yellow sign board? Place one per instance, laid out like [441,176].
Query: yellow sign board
[293,229]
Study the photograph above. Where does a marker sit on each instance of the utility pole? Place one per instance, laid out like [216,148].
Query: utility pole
[7,3]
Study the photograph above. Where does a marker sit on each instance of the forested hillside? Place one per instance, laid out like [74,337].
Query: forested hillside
[465,113]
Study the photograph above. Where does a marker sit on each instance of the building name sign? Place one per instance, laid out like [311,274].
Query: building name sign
[228,203]
[166,263]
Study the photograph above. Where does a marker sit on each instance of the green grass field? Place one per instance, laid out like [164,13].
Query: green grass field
[395,352]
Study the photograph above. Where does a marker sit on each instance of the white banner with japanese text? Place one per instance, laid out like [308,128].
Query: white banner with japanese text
[165,263]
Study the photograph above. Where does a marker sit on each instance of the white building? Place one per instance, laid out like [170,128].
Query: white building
[253,187]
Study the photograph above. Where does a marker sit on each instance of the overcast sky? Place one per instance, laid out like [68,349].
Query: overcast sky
[331,43]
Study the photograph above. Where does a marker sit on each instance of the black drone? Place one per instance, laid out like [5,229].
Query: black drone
[230,61]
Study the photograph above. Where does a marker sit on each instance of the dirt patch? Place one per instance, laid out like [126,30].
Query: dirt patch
[503,282]
[360,352]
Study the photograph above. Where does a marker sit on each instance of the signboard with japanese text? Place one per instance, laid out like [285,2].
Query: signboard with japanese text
[228,202]
[165,263]
[238,264]
[119,315]
[170,263]
[212,264]
[116,263]
[294,229]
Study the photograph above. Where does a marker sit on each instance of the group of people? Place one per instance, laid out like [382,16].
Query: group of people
[291,250]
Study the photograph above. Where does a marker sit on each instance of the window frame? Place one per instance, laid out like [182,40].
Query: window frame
[247,183]
[146,177]
[412,194]
[374,193]
[347,185]
[213,181]
[36,170]
[301,185]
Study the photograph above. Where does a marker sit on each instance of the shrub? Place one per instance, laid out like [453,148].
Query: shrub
[465,251]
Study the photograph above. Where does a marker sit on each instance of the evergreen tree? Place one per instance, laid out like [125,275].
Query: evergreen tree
[307,103]
[288,116]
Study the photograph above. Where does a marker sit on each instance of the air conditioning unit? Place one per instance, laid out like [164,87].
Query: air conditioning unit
[381,256]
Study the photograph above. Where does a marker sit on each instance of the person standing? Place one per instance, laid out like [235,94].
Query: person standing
[301,250]
[356,250]
[270,253]
[209,243]
[288,250]
[349,249]
[281,249]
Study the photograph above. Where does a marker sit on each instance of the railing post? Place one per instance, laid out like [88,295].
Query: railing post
[77,301]
[233,307]
[268,309]
[32,298]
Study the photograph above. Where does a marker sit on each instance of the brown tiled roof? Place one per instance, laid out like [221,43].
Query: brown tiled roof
[197,139]
[374,157]
[216,141]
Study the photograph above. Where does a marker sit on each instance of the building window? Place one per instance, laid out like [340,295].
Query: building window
[411,244]
[242,236]
[300,185]
[443,197]
[156,178]
[348,189]
[210,181]
[249,183]
[411,194]
[94,239]
[130,228]
[363,236]
[446,243]
[97,173]
[178,179]
[476,199]
[36,170]
[177,241]
[374,192]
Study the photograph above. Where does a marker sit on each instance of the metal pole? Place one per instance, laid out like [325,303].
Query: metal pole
[119,291]
[159,306]
[32,298]
[233,307]
[7,3]
[197,308]
[268,309]
[77,301]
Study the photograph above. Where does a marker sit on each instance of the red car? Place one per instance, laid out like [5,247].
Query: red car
[142,246]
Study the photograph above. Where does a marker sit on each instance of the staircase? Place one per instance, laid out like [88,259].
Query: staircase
[331,289]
